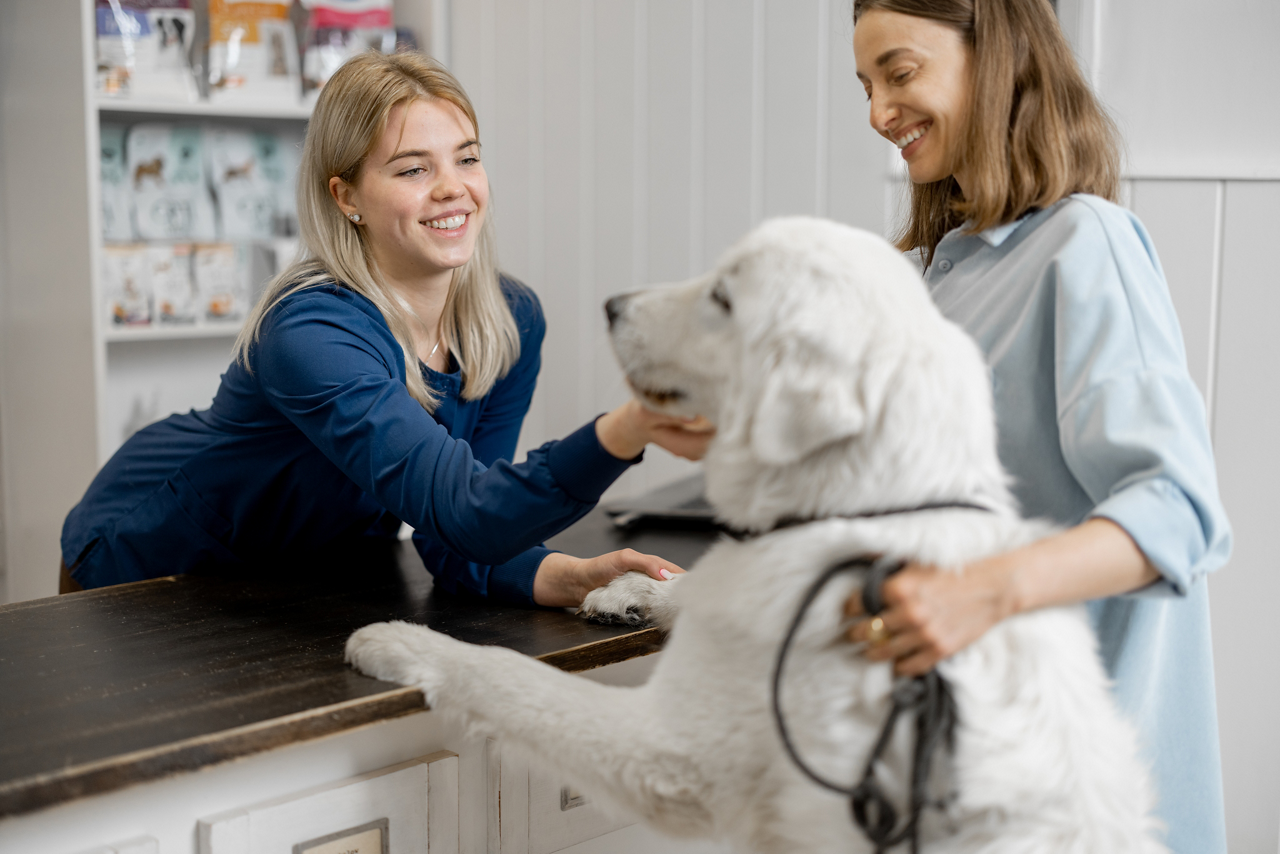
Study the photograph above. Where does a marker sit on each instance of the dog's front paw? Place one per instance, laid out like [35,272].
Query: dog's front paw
[632,599]
[402,652]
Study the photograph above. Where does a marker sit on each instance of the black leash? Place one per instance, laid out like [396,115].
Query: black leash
[928,695]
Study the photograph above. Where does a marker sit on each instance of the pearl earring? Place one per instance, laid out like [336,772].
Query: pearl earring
[354,217]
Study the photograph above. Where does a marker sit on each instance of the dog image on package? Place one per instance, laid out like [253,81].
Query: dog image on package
[166,175]
[853,422]
[246,171]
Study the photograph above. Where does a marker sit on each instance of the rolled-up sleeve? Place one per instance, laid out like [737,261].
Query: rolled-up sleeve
[1131,422]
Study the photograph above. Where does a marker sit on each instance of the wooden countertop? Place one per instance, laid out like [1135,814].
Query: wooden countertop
[111,687]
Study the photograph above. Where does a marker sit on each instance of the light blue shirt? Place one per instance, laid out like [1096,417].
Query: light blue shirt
[1097,416]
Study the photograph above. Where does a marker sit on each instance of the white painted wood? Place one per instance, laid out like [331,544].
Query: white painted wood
[443,803]
[48,358]
[1246,635]
[791,107]
[138,845]
[399,793]
[1183,219]
[552,828]
[1213,116]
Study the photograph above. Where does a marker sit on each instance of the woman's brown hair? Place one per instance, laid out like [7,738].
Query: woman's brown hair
[1036,133]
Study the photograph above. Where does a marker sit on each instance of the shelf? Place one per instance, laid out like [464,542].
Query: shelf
[205,108]
[168,333]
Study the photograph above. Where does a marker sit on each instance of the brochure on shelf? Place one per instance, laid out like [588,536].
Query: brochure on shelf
[245,169]
[173,287]
[116,197]
[125,285]
[223,273]
[167,178]
[253,53]
[144,50]
[338,30]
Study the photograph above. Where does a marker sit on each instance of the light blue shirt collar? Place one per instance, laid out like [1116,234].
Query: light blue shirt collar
[999,233]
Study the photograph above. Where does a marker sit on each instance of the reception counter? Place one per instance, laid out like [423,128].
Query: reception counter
[139,683]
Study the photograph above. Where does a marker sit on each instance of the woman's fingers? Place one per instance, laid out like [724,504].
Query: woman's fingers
[630,560]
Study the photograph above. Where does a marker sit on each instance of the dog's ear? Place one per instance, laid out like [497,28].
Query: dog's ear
[802,409]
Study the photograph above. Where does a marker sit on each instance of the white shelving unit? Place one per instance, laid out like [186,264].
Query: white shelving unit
[144,373]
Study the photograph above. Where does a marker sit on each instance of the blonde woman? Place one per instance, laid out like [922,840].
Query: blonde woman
[382,378]
[1015,174]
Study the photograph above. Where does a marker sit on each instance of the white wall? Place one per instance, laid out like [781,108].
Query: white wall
[632,142]
[47,363]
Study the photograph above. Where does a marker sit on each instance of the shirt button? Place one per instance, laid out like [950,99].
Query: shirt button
[944,265]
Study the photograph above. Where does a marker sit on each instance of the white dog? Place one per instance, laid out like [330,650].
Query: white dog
[837,389]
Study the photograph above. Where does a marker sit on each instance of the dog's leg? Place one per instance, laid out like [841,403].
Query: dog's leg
[633,599]
[609,739]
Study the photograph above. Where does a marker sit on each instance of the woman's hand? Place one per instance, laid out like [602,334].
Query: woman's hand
[564,581]
[625,431]
[931,613]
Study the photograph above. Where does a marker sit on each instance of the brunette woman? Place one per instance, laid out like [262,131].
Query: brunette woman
[1015,176]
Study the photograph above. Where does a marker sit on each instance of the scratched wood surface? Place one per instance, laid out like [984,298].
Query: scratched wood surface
[110,687]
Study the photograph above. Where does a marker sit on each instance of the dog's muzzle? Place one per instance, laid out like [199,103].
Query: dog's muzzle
[614,306]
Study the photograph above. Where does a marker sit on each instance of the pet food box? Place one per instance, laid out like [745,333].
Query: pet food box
[117,223]
[338,30]
[126,286]
[144,50]
[253,53]
[223,276]
[173,288]
[166,175]
[246,171]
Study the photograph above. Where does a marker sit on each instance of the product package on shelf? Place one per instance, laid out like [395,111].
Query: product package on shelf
[253,53]
[289,149]
[223,273]
[246,171]
[172,284]
[167,178]
[144,50]
[116,198]
[338,30]
[126,286]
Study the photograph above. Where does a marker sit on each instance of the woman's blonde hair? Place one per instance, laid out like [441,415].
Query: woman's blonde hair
[347,124]
[1036,133]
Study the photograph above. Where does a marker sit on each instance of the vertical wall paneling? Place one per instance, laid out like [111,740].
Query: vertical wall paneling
[855,184]
[1182,217]
[1246,634]
[632,143]
[731,188]
[791,110]
[757,109]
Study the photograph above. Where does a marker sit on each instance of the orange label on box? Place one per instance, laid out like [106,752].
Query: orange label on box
[227,16]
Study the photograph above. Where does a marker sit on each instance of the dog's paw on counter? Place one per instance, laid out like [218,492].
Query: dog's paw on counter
[631,599]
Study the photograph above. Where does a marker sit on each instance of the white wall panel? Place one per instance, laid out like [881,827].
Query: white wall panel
[1184,220]
[1193,86]
[632,142]
[793,121]
[1246,634]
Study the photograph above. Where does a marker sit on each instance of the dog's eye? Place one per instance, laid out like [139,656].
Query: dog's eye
[720,296]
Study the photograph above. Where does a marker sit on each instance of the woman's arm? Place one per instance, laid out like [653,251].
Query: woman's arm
[932,613]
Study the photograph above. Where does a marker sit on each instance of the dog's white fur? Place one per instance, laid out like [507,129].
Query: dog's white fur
[837,387]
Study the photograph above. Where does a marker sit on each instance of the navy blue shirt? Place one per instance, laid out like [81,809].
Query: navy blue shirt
[321,443]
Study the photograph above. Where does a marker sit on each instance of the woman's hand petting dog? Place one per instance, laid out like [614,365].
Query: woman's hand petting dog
[564,581]
[625,431]
[931,613]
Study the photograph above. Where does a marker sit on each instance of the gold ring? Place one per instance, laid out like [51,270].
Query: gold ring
[877,631]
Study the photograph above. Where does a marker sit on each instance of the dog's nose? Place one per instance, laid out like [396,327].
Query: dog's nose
[613,308]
